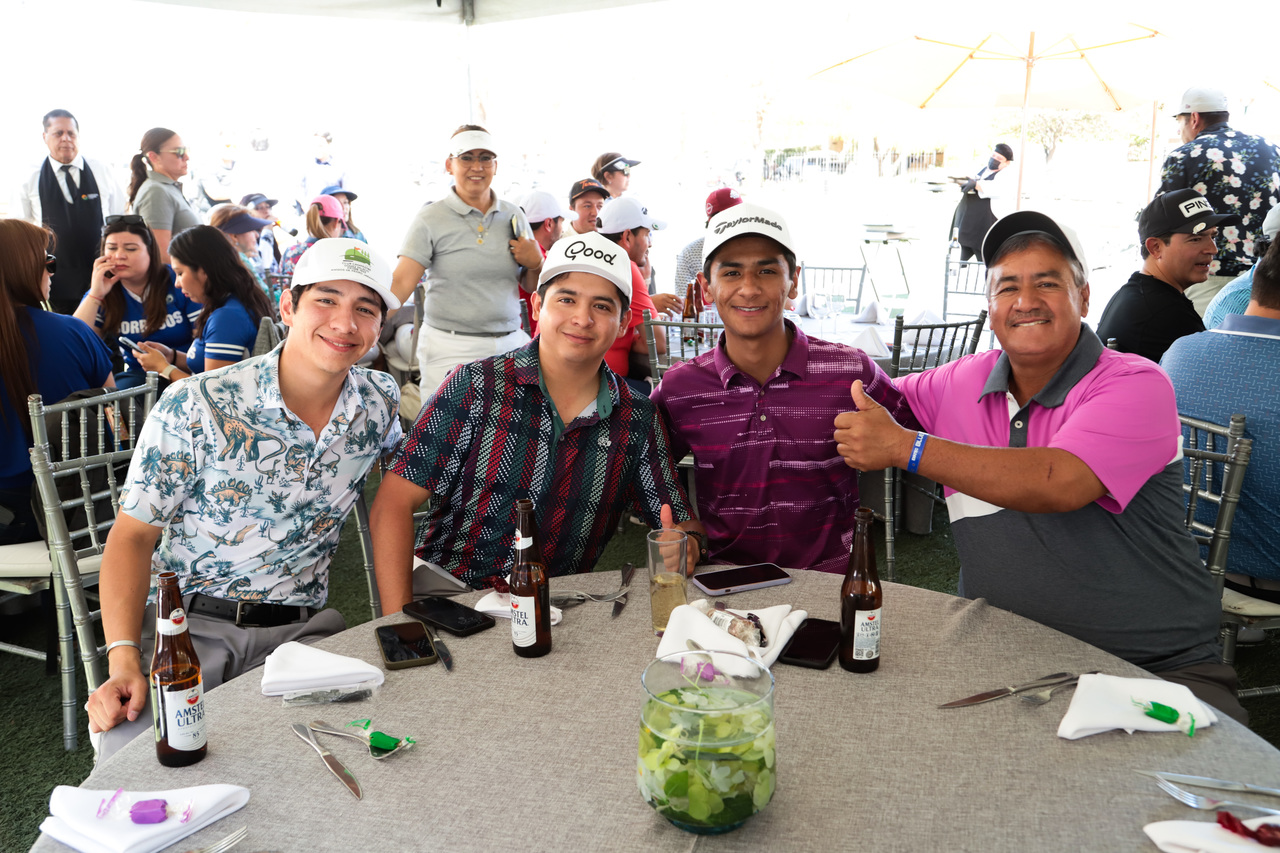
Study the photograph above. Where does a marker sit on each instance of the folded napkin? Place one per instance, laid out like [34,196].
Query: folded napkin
[295,666]
[873,313]
[73,817]
[1198,836]
[1105,702]
[870,342]
[690,622]
[499,604]
[925,318]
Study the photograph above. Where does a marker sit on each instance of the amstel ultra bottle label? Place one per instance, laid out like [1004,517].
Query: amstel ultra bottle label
[175,623]
[179,716]
[866,635]
[523,542]
[524,632]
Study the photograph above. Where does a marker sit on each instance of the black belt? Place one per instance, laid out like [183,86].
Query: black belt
[474,334]
[247,614]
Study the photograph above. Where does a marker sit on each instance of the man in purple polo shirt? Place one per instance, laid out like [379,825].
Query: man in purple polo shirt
[1063,469]
[757,411]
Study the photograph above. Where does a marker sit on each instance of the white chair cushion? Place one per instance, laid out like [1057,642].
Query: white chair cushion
[31,559]
[1244,605]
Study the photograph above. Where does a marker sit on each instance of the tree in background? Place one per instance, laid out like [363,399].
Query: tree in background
[1046,128]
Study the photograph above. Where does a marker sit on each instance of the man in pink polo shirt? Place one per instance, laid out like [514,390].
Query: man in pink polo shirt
[1062,466]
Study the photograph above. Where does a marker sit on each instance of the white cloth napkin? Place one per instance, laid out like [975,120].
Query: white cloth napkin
[296,666]
[690,622]
[1105,702]
[873,313]
[925,318]
[870,342]
[499,604]
[73,817]
[1200,836]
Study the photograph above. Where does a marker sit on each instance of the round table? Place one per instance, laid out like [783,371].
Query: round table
[540,754]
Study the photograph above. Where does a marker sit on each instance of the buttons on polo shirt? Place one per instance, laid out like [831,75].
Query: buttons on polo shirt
[1018,424]
[762,417]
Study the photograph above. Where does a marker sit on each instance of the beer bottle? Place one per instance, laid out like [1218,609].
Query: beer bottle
[530,590]
[177,690]
[690,314]
[861,599]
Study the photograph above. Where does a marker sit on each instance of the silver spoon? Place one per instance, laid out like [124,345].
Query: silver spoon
[378,753]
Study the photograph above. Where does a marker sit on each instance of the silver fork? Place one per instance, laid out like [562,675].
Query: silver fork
[570,595]
[225,844]
[1207,803]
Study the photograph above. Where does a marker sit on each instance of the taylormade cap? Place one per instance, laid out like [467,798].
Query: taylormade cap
[591,252]
[743,219]
[1029,222]
[539,206]
[1180,212]
[345,259]
[722,199]
[623,214]
[1202,99]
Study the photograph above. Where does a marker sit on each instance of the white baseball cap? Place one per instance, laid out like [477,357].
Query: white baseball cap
[743,219]
[345,259]
[623,214]
[591,252]
[1029,221]
[471,140]
[1202,99]
[1271,225]
[539,206]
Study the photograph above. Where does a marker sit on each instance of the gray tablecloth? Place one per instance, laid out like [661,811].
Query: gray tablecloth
[540,754]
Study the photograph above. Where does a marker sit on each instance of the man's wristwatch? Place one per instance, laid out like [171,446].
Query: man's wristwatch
[701,539]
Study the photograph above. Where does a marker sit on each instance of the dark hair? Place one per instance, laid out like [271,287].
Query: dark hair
[617,238]
[1210,119]
[156,306]
[1163,238]
[534,226]
[1266,279]
[466,127]
[151,141]
[1030,239]
[597,168]
[52,114]
[545,286]
[204,248]
[22,266]
[787,255]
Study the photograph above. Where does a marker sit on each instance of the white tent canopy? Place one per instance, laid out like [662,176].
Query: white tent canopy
[432,11]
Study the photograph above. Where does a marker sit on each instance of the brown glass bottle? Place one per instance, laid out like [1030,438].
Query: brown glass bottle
[860,601]
[177,690]
[530,590]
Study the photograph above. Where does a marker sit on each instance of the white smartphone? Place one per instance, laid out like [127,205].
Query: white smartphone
[740,578]
[130,344]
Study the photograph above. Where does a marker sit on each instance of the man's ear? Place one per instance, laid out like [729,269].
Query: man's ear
[286,307]
[535,306]
[795,281]
[1154,246]
[706,287]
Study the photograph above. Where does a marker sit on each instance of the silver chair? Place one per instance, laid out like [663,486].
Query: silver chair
[277,283]
[964,290]
[690,340]
[926,346]
[79,485]
[847,280]
[361,514]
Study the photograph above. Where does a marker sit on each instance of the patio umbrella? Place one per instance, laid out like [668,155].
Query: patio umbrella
[1109,68]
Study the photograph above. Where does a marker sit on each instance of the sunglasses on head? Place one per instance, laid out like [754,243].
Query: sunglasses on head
[50,263]
[126,218]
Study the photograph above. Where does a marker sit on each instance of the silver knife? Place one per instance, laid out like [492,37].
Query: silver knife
[621,601]
[442,651]
[979,698]
[336,767]
[1207,782]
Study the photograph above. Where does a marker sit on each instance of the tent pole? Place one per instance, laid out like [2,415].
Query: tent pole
[1026,94]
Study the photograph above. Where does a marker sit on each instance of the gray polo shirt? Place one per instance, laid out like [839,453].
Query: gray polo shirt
[473,286]
[161,203]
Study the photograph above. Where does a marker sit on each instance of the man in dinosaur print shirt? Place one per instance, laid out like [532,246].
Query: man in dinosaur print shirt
[240,483]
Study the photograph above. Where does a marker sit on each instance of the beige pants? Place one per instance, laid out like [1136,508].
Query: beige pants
[440,352]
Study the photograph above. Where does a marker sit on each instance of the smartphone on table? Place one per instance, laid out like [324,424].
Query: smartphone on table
[814,644]
[449,615]
[740,578]
[405,644]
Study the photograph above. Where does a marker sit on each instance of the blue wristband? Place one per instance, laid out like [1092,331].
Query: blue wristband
[917,450]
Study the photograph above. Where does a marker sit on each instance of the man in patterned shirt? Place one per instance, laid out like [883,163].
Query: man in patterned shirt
[757,411]
[244,476]
[1236,172]
[549,422]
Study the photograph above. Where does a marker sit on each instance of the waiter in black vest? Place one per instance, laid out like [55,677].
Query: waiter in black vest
[974,215]
[70,195]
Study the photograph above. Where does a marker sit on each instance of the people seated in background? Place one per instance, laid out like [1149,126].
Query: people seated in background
[548,422]
[756,411]
[627,222]
[324,219]
[345,197]
[154,191]
[254,565]
[586,200]
[546,220]
[134,294]
[41,352]
[242,229]
[1062,466]
[268,250]
[209,271]
[1234,298]
[1236,369]
[1178,232]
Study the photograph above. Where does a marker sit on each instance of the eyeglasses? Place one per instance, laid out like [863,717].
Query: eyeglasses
[626,170]
[50,263]
[181,152]
[126,218]
[483,159]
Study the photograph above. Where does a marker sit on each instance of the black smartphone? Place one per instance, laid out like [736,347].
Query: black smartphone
[405,644]
[814,644]
[449,615]
[739,578]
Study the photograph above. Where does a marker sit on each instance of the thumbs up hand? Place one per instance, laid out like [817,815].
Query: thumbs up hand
[869,439]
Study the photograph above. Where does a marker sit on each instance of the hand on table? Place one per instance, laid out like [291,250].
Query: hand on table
[693,545]
[119,698]
[153,356]
[870,439]
[668,303]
